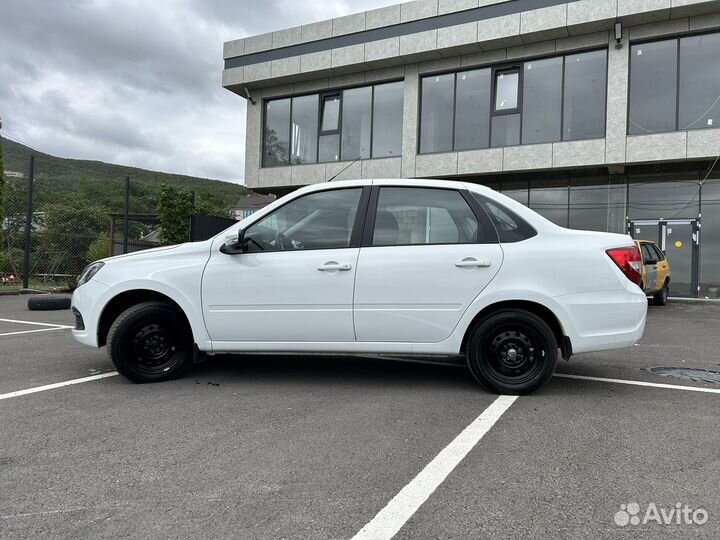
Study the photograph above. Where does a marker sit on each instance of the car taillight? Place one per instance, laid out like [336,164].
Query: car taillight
[629,261]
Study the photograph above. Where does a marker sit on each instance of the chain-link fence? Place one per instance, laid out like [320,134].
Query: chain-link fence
[73,220]
[60,215]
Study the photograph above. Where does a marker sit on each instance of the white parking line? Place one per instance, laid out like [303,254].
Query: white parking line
[639,383]
[390,519]
[33,331]
[35,323]
[57,385]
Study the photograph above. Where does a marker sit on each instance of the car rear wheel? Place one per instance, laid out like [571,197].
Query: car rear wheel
[150,342]
[660,298]
[512,352]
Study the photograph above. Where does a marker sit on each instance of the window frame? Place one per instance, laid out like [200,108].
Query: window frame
[320,96]
[356,233]
[486,233]
[509,66]
[676,38]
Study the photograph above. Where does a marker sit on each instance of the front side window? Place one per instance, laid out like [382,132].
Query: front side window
[413,216]
[322,220]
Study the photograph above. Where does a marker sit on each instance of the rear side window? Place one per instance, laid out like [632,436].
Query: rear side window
[660,254]
[510,227]
[415,216]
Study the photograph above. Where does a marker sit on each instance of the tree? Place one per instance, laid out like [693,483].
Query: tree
[175,208]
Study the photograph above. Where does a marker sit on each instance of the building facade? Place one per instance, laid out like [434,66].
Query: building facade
[598,114]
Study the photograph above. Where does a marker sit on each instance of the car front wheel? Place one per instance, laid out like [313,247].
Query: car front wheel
[512,352]
[150,342]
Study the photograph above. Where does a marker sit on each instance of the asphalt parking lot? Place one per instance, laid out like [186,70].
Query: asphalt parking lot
[321,447]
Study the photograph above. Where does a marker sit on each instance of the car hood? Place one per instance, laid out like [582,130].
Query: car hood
[158,252]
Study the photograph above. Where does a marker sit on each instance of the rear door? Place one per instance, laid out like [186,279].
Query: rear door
[650,261]
[426,254]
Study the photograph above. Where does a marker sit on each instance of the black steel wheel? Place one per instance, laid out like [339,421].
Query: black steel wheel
[512,352]
[150,342]
[661,297]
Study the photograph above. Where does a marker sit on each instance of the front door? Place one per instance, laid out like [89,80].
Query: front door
[679,239]
[294,280]
[422,263]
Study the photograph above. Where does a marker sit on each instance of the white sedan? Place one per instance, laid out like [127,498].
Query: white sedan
[402,267]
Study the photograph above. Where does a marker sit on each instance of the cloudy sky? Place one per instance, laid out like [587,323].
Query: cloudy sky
[137,82]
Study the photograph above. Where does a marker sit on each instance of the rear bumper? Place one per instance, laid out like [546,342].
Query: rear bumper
[604,320]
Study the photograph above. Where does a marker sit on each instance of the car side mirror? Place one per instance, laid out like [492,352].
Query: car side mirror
[234,246]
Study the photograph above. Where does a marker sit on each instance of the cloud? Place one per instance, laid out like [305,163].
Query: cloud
[136,82]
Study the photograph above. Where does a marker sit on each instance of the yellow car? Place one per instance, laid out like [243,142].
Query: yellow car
[655,272]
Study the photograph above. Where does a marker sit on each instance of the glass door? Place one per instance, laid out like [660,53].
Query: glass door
[679,239]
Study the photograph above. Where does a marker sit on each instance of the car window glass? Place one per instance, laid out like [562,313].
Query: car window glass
[658,252]
[322,220]
[648,253]
[510,227]
[411,216]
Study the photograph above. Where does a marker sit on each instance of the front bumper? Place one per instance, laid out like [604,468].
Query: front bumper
[87,303]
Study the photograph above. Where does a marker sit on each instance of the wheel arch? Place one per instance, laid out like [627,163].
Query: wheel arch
[545,313]
[127,299]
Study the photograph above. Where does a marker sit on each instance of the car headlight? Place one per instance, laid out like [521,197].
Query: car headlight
[89,272]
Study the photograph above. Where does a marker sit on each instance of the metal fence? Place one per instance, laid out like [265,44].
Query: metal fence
[57,220]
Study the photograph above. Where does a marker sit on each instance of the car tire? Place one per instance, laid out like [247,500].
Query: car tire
[150,342]
[45,302]
[660,298]
[512,352]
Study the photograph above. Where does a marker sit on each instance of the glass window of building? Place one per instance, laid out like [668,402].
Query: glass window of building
[551,201]
[585,91]
[710,239]
[536,101]
[668,199]
[542,100]
[597,204]
[699,98]
[330,113]
[436,134]
[276,136]
[304,130]
[505,130]
[387,120]
[516,190]
[506,90]
[653,87]
[356,123]
[472,112]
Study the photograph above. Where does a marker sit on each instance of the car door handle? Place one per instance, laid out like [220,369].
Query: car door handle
[334,266]
[472,262]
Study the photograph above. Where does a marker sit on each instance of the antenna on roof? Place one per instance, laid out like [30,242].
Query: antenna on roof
[344,169]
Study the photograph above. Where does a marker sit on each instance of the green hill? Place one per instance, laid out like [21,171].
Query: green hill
[73,203]
[62,175]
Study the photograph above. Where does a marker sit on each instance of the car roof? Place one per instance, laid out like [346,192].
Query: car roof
[415,182]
